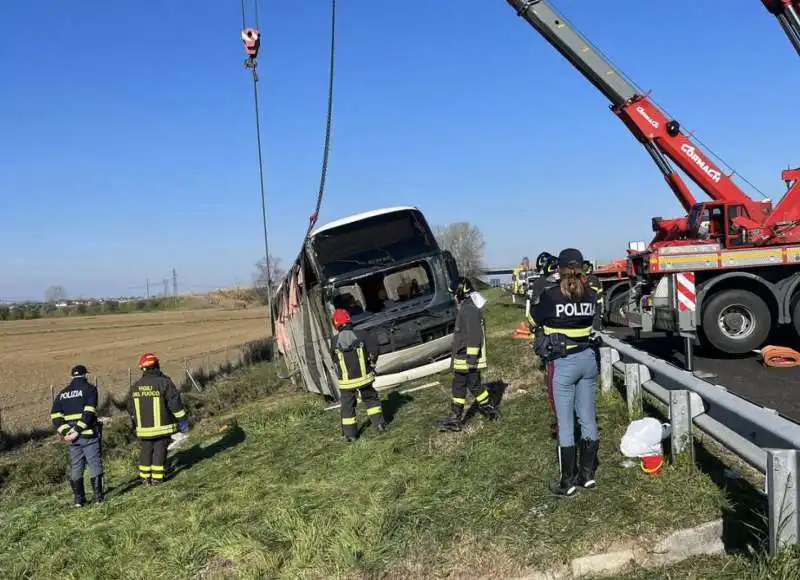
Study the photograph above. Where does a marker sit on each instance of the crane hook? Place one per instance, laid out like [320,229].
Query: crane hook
[252,42]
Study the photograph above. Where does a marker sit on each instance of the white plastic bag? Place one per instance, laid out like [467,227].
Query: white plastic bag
[643,437]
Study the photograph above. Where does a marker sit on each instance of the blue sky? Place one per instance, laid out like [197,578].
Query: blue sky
[128,136]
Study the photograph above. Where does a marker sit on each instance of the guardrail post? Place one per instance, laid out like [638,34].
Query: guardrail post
[680,417]
[783,469]
[635,375]
[608,356]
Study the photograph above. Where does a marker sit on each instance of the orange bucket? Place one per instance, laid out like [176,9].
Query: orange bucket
[652,464]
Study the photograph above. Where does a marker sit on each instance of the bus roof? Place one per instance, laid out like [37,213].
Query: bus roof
[360,216]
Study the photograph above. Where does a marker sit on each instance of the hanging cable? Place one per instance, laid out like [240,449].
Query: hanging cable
[252,43]
[328,122]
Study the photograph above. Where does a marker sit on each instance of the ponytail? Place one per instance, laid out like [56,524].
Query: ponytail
[573,282]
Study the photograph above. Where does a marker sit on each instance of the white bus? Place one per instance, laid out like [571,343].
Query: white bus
[386,268]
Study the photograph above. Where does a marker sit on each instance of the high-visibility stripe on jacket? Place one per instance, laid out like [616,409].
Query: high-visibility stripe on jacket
[354,354]
[469,339]
[76,406]
[155,405]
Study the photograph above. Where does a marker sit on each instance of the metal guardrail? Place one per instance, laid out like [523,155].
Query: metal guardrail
[759,436]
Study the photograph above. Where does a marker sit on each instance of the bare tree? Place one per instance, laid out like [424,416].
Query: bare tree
[261,279]
[55,294]
[465,242]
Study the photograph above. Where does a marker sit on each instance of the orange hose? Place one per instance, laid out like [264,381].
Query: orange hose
[780,356]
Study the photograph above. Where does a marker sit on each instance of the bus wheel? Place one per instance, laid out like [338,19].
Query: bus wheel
[736,321]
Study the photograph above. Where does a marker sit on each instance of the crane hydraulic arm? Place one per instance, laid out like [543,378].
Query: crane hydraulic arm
[788,15]
[660,135]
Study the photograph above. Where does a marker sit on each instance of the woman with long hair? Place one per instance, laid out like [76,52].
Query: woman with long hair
[566,311]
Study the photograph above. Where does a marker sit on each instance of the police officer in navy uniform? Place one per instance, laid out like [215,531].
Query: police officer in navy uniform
[354,357]
[469,359]
[74,416]
[594,284]
[566,312]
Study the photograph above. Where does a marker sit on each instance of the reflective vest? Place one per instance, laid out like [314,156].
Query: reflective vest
[469,339]
[353,367]
[155,405]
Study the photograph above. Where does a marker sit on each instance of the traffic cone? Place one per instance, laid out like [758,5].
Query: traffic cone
[522,331]
[652,464]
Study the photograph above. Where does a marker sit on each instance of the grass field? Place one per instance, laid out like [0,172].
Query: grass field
[269,490]
[37,353]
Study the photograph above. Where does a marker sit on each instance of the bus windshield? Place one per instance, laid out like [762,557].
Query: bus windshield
[373,242]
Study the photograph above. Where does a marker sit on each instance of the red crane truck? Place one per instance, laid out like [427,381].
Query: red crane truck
[726,273]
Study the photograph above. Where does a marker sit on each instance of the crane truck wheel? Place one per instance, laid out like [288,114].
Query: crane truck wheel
[736,321]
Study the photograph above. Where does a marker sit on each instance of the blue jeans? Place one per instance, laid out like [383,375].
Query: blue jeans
[85,451]
[574,385]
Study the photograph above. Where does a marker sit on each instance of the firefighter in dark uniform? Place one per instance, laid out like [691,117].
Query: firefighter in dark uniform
[566,312]
[469,359]
[74,416]
[549,277]
[594,284]
[354,356]
[156,412]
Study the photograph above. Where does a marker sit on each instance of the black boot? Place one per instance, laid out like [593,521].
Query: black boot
[453,422]
[588,463]
[566,486]
[489,411]
[98,488]
[78,491]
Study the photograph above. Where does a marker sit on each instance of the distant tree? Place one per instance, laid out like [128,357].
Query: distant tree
[5,312]
[261,279]
[81,309]
[55,294]
[465,241]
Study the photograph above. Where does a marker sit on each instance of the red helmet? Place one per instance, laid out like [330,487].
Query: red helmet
[341,317]
[148,360]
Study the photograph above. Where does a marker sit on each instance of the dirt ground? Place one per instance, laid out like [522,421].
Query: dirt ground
[35,354]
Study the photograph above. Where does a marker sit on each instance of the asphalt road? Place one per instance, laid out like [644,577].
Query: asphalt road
[745,376]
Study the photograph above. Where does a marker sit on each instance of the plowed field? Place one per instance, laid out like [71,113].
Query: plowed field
[37,353]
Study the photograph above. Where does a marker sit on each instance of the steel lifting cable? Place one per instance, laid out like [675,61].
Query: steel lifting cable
[252,42]
[326,148]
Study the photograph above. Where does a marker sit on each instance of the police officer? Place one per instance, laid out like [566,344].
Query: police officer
[354,356]
[74,416]
[566,312]
[469,359]
[156,412]
[594,284]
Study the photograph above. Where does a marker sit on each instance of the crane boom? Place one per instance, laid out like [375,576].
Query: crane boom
[660,135]
[788,14]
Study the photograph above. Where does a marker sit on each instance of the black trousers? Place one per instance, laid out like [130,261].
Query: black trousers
[463,380]
[153,458]
[372,402]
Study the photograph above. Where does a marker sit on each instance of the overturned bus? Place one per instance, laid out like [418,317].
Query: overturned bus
[386,268]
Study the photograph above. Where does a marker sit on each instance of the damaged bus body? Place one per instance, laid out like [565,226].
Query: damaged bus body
[386,268]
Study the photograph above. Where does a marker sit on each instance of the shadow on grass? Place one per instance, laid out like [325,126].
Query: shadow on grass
[190,457]
[186,459]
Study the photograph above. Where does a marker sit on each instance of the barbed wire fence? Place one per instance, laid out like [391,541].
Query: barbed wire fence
[194,373]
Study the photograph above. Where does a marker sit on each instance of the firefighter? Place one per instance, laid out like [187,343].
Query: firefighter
[566,312]
[354,356]
[74,416]
[156,412]
[594,284]
[549,277]
[469,359]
